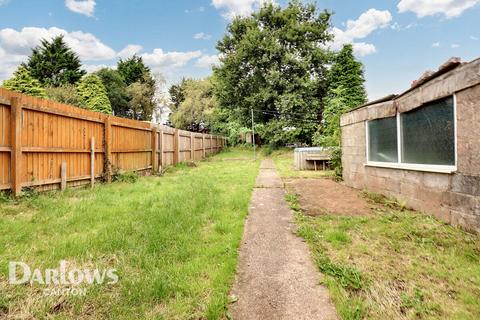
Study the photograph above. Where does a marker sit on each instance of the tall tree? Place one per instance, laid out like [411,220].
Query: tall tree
[132,69]
[116,90]
[53,63]
[346,91]
[177,94]
[274,63]
[93,94]
[195,112]
[141,101]
[141,87]
[347,72]
[22,81]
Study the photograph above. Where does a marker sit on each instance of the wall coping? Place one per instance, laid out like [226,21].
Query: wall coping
[445,84]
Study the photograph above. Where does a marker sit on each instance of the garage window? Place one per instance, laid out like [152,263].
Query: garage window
[422,139]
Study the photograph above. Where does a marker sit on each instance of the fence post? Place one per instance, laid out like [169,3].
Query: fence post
[63,175]
[160,139]
[211,144]
[92,163]
[192,146]
[203,145]
[16,154]
[108,149]
[154,150]
[176,147]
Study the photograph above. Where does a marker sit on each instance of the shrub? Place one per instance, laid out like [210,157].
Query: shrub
[336,163]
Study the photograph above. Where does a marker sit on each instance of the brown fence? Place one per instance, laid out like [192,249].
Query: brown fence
[49,145]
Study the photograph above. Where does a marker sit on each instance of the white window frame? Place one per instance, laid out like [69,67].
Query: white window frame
[413,166]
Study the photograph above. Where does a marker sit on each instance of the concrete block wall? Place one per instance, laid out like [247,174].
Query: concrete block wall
[454,198]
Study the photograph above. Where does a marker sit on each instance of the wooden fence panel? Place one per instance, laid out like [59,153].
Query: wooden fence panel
[184,146]
[37,136]
[131,148]
[5,147]
[198,147]
[168,141]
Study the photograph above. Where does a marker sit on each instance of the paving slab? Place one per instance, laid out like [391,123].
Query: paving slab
[276,277]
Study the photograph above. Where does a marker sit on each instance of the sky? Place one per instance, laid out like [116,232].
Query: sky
[397,40]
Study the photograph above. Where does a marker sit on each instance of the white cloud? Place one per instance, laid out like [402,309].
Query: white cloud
[455,46]
[436,44]
[159,60]
[15,46]
[207,61]
[449,8]
[95,67]
[363,49]
[86,45]
[2,2]
[202,36]
[368,22]
[85,7]
[234,8]
[474,38]
[129,51]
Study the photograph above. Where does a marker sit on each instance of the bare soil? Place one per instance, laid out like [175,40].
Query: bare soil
[325,196]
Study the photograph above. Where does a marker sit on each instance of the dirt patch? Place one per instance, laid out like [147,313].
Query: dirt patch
[325,196]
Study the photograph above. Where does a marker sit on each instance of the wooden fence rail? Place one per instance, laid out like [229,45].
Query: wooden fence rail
[49,145]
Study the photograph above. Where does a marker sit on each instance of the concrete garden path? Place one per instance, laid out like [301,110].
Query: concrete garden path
[276,278]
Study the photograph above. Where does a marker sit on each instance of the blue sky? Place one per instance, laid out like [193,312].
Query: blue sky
[397,40]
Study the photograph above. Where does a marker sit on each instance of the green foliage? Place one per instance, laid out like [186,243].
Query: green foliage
[224,123]
[141,98]
[273,62]
[177,94]
[53,63]
[268,150]
[335,105]
[196,111]
[132,70]
[140,88]
[347,73]
[116,90]
[125,176]
[22,81]
[93,94]
[336,163]
[345,91]
[66,93]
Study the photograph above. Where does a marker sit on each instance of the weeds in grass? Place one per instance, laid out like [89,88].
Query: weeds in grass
[388,202]
[5,197]
[395,264]
[125,176]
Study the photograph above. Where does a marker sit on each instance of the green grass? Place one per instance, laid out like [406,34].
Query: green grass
[283,160]
[395,264]
[173,240]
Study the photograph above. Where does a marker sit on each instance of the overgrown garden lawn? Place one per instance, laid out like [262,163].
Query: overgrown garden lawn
[172,239]
[395,264]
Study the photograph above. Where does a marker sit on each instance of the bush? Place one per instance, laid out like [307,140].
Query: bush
[268,150]
[336,163]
